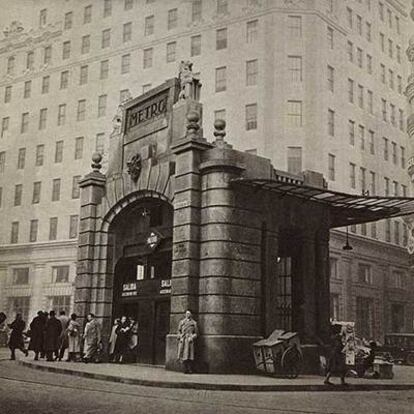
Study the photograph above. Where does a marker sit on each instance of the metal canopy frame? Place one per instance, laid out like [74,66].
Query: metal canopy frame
[345,209]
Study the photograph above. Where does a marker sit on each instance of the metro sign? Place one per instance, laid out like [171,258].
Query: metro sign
[153,239]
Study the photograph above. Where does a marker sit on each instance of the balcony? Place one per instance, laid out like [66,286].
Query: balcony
[409,90]
[410,125]
[410,166]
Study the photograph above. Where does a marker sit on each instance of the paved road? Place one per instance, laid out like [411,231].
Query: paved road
[23,390]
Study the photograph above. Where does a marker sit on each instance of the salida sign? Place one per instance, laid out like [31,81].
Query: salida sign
[147,111]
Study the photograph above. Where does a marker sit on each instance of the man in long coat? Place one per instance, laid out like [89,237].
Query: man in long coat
[92,337]
[16,337]
[74,336]
[63,340]
[53,329]
[187,333]
[37,332]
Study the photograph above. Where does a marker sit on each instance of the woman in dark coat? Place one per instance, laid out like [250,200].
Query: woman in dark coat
[123,332]
[37,332]
[336,356]
[16,337]
[53,329]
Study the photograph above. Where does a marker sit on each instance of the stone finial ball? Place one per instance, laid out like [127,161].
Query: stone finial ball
[96,157]
[193,116]
[220,124]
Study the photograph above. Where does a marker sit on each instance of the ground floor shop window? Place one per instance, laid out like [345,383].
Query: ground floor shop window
[397,317]
[60,303]
[284,293]
[364,317]
[19,304]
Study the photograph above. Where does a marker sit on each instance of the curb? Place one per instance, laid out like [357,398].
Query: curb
[219,387]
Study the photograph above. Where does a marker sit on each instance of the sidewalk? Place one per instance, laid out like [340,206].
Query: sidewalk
[159,377]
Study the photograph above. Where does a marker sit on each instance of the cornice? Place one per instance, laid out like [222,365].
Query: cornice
[28,248]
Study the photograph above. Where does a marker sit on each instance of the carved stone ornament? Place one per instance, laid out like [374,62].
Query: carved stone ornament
[186,78]
[15,28]
[134,166]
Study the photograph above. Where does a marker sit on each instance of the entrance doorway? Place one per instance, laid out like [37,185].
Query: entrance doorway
[142,276]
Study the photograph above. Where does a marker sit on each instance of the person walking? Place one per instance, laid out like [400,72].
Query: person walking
[63,340]
[123,332]
[92,338]
[16,337]
[37,333]
[53,329]
[73,333]
[187,333]
[335,356]
[112,339]
[133,341]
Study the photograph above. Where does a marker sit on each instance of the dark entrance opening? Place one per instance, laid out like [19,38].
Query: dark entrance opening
[142,277]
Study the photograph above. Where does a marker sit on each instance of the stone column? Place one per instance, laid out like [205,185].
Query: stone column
[92,190]
[186,233]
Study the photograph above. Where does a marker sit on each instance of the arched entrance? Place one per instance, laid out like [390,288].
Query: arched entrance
[142,235]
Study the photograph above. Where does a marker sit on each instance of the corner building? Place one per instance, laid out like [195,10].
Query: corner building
[312,85]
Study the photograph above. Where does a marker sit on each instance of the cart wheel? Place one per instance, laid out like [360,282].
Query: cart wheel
[292,362]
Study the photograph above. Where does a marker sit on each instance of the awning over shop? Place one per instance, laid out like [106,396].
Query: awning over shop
[345,209]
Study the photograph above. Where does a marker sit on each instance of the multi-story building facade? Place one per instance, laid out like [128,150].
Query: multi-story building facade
[310,84]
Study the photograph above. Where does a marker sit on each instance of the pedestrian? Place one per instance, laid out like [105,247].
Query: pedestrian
[335,356]
[133,341]
[92,338]
[73,332]
[112,339]
[53,329]
[37,333]
[123,332]
[187,333]
[16,337]
[63,340]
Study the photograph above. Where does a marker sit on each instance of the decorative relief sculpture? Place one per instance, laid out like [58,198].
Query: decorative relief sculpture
[134,166]
[14,29]
[189,82]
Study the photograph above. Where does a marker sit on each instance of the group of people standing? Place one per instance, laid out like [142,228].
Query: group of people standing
[123,342]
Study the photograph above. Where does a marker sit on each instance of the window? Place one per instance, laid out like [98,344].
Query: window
[368,31]
[60,274]
[171,47]
[61,303]
[372,186]
[392,115]
[397,24]
[87,14]
[382,73]
[362,179]
[7,94]
[331,122]
[405,235]
[404,190]
[27,89]
[331,167]
[107,8]
[252,31]
[330,37]
[4,126]
[2,161]
[106,38]
[195,45]
[86,44]
[18,191]
[47,55]
[68,21]
[295,68]
[56,189]
[374,230]
[37,186]
[352,175]
[384,109]
[10,65]
[349,17]
[252,71]
[148,58]
[172,19]
[34,224]
[83,75]
[331,79]
[14,236]
[385,142]
[402,149]
[395,188]
[295,27]
[386,186]
[396,232]
[350,91]
[125,63]
[361,131]
[364,229]
[221,39]
[128,4]
[399,84]
[364,273]
[196,10]
[66,50]
[382,42]
[371,142]
[360,96]
[359,57]
[104,70]
[19,304]
[388,230]
[221,79]
[370,102]
[24,126]
[59,152]
[149,25]
[100,143]
[389,18]
[350,51]
[251,117]
[75,186]
[369,64]
[351,132]
[222,6]
[21,158]
[359,25]
[42,17]
[53,223]
[61,115]
[294,113]
[394,152]
[45,84]
[21,276]
[78,148]
[80,113]
[401,119]
[127,32]
[390,48]
[398,49]
[64,79]
[73,226]
[294,160]
[333,268]
[102,105]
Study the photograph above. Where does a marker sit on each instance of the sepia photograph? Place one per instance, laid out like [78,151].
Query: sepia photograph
[206,206]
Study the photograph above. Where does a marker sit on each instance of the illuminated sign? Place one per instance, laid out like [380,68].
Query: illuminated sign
[165,287]
[129,289]
[153,240]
